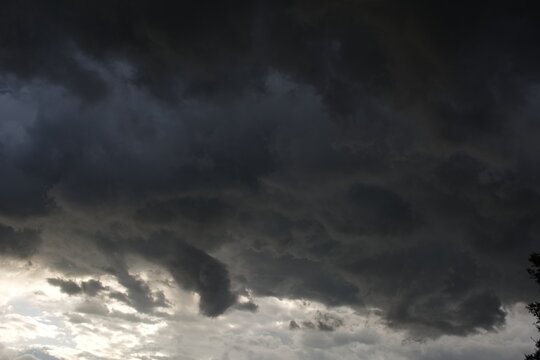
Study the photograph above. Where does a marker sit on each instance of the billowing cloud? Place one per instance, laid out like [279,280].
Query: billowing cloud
[370,155]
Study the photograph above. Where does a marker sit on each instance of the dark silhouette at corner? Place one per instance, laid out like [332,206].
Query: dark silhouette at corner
[534,307]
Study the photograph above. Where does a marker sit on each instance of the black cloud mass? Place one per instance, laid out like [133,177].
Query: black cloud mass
[379,154]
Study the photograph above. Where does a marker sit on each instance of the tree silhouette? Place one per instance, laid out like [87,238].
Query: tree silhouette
[534,307]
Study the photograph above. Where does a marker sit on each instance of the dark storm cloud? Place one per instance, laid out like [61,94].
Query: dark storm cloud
[157,38]
[381,211]
[198,271]
[190,267]
[354,153]
[69,150]
[296,278]
[462,61]
[21,194]
[19,243]
[197,209]
[432,286]
[32,53]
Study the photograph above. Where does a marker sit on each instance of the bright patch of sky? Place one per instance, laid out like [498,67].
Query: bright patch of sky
[39,320]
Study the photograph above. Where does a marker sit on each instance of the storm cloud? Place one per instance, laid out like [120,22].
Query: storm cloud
[363,154]
[19,243]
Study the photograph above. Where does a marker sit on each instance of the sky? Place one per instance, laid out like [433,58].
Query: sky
[347,179]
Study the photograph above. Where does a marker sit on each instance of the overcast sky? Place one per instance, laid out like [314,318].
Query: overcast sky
[268,179]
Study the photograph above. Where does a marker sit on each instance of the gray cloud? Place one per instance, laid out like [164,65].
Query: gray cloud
[190,267]
[247,306]
[333,152]
[66,286]
[19,243]
[139,295]
[197,209]
[91,287]
[321,321]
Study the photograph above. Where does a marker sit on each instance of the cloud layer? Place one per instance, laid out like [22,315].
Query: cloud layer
[362,154]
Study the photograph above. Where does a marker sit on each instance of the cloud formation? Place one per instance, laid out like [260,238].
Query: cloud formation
[91,287]
[364,154]
[19,243]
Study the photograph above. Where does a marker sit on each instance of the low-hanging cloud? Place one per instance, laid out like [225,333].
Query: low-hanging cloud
[352,153]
